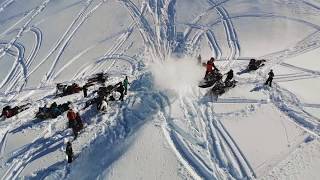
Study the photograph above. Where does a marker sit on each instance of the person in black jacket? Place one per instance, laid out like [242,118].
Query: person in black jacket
[85,91]
[121,90]
[270,78]
[229,76]
[69,152]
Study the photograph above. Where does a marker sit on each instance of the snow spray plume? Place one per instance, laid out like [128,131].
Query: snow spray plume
[179,75]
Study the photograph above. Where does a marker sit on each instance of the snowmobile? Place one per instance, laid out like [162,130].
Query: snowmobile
[98,78]
[106,91]
[221,87]
[253,65]
[65,90]
[210,79]
[52,112]
[103,93]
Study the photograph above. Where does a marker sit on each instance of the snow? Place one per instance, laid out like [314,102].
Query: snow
[284,136]
[167,127]
[165,165]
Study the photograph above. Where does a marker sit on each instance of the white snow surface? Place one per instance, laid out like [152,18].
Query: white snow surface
[166,127]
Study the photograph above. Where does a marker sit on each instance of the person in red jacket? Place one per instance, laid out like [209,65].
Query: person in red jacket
[8,112]
[72,119]
[210,66]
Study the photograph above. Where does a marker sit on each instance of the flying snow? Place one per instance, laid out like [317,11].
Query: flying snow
[177,74]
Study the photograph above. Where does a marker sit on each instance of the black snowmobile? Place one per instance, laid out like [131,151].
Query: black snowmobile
[103,92]
[221,87]
[65,90]
[253,65]
[210,79]
[53,111]
[98,78]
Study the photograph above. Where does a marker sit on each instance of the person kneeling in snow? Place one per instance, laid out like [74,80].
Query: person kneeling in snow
[69,152]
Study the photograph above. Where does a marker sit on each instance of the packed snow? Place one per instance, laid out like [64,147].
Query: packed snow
[167,127]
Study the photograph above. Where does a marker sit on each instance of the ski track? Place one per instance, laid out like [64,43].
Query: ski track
[163,13]
[214,44]
[227,145]
[20,58]
[216,136]
[68,39]
[311,4]
[30,153]
[36,11]
[38,36]
[5,4]
[61,40]
[222,150]
[290,105]
[83,70]
[286,101]
[204,27]
[15,24]
[145,30]
[100,63]
[187,32]
[230,32]
[13,76]
[240,166]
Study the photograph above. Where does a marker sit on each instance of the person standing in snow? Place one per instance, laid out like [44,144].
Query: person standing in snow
[69,152]
[199,59]
[125,85]
[79,122]
[270,78]
[72,119]
[85,91]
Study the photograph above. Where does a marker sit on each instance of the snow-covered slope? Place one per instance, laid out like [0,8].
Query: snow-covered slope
[167,127]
